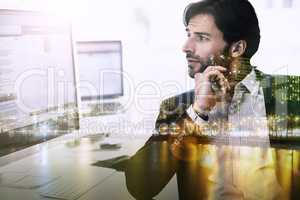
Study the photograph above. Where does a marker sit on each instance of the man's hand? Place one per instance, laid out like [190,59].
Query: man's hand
[205,97]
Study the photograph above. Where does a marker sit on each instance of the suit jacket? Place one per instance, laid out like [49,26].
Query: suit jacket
[281,99]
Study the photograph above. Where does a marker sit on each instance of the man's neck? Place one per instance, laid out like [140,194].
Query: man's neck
[240,68]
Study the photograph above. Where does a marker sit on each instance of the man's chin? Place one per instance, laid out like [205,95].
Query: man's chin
[191,73]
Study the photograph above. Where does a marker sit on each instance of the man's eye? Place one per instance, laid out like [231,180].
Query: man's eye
[202,38]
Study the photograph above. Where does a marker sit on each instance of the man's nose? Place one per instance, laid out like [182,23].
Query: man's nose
[188,46]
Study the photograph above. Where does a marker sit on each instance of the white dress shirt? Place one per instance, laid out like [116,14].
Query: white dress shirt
[245,115]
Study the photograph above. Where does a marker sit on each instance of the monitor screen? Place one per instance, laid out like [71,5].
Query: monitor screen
[38,97]
[100,69]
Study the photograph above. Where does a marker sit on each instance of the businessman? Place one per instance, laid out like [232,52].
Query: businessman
[231,97]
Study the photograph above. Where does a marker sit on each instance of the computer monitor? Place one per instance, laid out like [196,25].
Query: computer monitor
[100,69]
[38,98]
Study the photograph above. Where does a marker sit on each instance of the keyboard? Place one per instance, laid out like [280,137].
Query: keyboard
[69,188]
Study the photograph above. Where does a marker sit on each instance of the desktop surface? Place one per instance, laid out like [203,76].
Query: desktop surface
[76,167]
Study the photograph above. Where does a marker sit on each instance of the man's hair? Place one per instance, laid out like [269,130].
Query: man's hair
[236,19]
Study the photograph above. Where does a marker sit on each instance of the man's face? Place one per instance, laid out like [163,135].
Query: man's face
[204,40]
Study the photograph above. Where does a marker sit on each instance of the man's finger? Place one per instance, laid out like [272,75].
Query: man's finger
[213,68]
[212,74]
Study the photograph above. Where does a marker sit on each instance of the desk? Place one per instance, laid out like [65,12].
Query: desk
[67,159]
[153,172]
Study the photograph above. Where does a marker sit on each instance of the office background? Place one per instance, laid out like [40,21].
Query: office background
[152,34]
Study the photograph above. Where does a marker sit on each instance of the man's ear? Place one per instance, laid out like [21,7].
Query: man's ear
[237,49]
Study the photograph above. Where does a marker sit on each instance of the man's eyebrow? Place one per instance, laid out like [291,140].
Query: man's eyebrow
[199,33]
[202,33]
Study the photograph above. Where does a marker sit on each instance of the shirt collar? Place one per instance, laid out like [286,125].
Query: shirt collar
[250,82]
